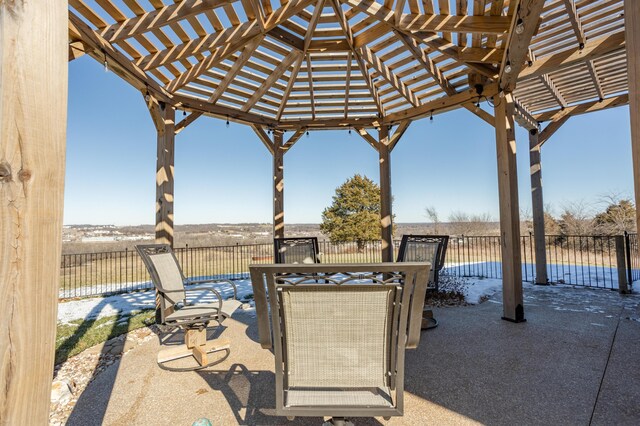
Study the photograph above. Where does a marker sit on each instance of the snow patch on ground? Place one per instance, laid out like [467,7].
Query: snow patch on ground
[479,289]
[126,304]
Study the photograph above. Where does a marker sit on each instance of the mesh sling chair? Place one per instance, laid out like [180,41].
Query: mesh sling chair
[425,248]
[176,312]
[339,345]
[296,250]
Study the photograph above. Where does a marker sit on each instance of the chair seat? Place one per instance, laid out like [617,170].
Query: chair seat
[205,310]
[368,397]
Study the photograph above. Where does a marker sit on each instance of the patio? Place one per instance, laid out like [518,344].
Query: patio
[300,65]
[573,362]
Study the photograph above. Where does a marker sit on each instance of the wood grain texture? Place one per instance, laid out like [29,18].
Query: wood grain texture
[512,299]
[632,28]
[164,175]
[33,116]
[278,184]
[386,213]
[537,206]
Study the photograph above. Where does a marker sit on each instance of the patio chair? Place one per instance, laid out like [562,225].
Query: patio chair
[429,248]
[296,250]
[339,346]
[177,312]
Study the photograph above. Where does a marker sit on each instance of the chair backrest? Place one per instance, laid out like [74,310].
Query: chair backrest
[296,250]
[425,248]
[165,273]
[350,332]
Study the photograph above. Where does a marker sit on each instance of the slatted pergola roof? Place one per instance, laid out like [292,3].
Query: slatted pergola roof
[337,63]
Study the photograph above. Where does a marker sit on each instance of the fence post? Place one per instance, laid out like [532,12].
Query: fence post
[627,249]
[621,264]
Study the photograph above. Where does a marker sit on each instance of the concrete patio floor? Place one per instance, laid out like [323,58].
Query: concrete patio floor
[575,361]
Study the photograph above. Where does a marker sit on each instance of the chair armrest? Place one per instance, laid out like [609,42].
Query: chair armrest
[214,291]
[216,281]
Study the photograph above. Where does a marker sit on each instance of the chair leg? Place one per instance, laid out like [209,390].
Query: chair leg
[196,345]
[338,421]
[428,321]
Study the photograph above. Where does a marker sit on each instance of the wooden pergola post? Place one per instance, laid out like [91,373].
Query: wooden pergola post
[386,214]
[278,184]
[33,120]
[512,300]
[632,32]
[537,207]
[164,173]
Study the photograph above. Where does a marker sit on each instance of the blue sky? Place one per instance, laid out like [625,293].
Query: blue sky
[223,175]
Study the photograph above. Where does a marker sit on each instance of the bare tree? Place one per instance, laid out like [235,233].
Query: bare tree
[619,215]
[464,224]
[576,218]
[432,215]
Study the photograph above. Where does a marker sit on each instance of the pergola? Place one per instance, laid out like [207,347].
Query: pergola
[286,68]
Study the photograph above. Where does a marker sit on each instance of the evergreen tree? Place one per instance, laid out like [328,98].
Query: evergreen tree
[354,215]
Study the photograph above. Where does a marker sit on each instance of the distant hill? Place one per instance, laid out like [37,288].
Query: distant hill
[95,238]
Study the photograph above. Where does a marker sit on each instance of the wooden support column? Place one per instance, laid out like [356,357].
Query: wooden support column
[278,184]
[512,300]
[164,172]
[537,207]
[386,215]
[632,33]
[33,119]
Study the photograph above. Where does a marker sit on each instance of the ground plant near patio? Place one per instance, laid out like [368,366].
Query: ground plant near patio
[78,335]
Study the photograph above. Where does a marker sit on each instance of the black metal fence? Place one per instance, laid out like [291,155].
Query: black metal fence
[579,260]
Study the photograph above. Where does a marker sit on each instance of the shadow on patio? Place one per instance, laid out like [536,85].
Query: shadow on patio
[571,363]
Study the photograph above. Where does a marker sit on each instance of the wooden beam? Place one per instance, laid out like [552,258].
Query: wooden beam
[164,175]
[244,57]
[632,31]
[347,84]
[186,121]
[440,105]
[553,89]
[367,137]
[582,108]
[317,12]
[222,53]
[117,62]
[593,72]
[435,73]
[290,83]
[368,56]
[346,29]
[293,139]
[537,208]
[517,49]
[524,117]
[512,297]
[395,138]
[273,77]
[287,38]
[264,137]
[244,31]
[158,18]
[551,128]
[575,21]
[386,213]
[33,117]
[278,185]
[77,49]
[433,23]
[593,49]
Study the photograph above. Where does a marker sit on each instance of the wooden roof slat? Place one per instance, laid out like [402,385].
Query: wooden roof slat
[159,17]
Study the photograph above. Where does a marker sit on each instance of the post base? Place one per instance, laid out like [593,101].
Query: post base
[514,320]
